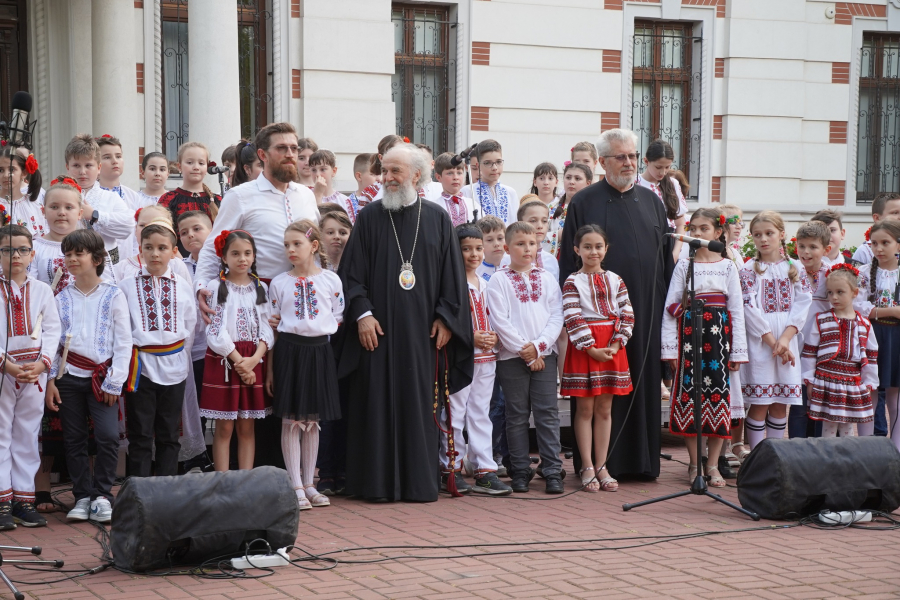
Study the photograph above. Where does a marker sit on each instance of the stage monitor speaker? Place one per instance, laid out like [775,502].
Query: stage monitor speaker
[784,479]
[165,521]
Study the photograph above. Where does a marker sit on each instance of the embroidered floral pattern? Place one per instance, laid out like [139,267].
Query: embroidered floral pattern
[777,295]
[305,303]
[522,288]
[497,206]
[52,266]
[152,312]
[104,322]
[246,324]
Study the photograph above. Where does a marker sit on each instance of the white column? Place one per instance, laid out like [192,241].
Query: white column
[215,112]
[114,79]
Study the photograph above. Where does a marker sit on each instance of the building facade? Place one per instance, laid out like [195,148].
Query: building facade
[787,104]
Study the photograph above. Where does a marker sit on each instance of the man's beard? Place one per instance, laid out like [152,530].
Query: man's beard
[394,200]
[284,172]
[619,181]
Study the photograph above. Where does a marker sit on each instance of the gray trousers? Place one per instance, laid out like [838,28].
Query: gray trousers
[528,391]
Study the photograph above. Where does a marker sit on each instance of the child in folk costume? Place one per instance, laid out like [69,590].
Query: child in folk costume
[193,194]
[576,177]
[163,315]
[543,185]
[883,294]
[840,360]
[155,173]
[599,321]
[716,280]
[657,177]
[22,200]
[131,266]
[302,376]
[470,407]
[776,303]
[87,377]
[111,165]
[29,334]
[238,339]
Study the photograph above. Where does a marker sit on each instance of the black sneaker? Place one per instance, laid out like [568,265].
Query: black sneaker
[26,515]
[554,484]
[340,486]
[540,472]
[326,486]
[6,519]
[520,480]
[461,486]
[489,483]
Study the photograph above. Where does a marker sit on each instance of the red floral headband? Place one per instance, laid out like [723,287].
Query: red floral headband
[137,214]
[66,181]
[31,164]
[722,220]
[843,267]
[220,240]
[868,233]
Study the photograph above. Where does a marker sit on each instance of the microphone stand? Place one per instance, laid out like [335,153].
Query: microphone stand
[35,550]
[698,487]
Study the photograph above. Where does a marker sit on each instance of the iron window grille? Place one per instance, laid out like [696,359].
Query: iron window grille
[878,134]
[666,92]
[423,84]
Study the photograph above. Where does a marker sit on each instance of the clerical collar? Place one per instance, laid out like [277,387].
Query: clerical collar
[616,191]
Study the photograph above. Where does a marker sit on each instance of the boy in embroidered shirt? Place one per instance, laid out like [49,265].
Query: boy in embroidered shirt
[494,236]
[323,166]
[96,329]
[28,338]
[111,164]
[163,318]
[525,305]
[833,220]
[886,205]
[450,179]
[362,173]
[490,196]
[537,214]
[104,211]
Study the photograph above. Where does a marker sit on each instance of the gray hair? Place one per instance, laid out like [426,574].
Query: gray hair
[604,144]
[416,160]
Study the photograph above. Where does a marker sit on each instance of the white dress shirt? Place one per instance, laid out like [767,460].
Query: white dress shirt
[115,222]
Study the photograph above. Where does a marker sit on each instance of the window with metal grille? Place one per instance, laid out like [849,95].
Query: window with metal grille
[666,88]
[423,85]
[254,23]
[878,135]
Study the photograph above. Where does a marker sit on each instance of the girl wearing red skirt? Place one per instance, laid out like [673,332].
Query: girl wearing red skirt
[599,320]
[238,338]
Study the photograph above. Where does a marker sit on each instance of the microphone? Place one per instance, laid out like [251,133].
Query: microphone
[214,170]
[459,158]
[711,245]
[19,131]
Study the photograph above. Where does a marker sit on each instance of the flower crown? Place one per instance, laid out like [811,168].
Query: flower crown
[66,181]
[843,267]
[733,219]
[31,164]
[4,216]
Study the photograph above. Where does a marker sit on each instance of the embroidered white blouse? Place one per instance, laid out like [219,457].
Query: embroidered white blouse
[771,301]
[100,328]
[308,306]
[590,298]
[130,267]
[31,215]
[500,201]
[525,308]
[24,305]
[240,319]
[163,311]
[545,261]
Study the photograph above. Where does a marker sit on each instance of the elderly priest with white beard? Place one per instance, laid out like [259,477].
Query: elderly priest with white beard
[407,328]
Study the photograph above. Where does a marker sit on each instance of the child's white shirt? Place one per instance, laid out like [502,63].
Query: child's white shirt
[49,258]
[115,222]
[198,350]
[486,270]
[545,261]
[29,215]
[25,304]
[308,306]
[500,200]
[240,319]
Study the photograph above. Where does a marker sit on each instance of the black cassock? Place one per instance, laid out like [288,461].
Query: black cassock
[393,442]
[635,222]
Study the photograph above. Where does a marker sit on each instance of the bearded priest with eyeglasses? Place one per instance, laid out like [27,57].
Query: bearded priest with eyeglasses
[635,222]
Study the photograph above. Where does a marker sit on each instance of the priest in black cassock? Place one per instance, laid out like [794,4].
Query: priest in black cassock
[406,303]
[634,219]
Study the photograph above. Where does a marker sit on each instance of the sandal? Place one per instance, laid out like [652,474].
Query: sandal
[43,499]
[716,480]
[315,498]
[664,391]
[692,473]
[302,500]
[608,484]
[589,483]
[744,453]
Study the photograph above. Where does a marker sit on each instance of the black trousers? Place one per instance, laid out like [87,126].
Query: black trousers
[154,410]
[78,402]
[333,440]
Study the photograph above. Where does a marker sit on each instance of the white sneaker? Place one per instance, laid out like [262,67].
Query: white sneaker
[82,510]
[101,510]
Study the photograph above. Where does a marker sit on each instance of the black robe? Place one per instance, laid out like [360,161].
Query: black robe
[393,442]
[635,223]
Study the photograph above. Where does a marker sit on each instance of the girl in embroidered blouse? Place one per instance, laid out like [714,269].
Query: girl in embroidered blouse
[777,297]
[192,194]
[599,321]
[544,182]
[716,281]
[238,339]
[23,207]
[576,177]
[840,360]
[302,376]
[884,296]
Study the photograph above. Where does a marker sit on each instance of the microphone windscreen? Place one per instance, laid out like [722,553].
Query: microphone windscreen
[715,246]
[21,101]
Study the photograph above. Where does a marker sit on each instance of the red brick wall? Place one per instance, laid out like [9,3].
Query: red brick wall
[480,118]
[836,193]
[481,53]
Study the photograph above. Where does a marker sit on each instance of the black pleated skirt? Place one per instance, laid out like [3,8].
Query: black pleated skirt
[305,379]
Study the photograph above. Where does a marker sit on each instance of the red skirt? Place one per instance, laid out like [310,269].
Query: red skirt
[584,377]
[232,399]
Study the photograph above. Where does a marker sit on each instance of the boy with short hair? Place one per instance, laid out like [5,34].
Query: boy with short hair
[886,205]
[111,164]
[537,214]
[362,173]
[525,307]
[470,407]
[324,167]
[833,220]
[490,196]
[163,315]
[494,236]
[87,377]
[305,176]
[450,179]
[104,211]
[28,338]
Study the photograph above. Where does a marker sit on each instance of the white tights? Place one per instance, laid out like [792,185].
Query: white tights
[832,428]
[300,446]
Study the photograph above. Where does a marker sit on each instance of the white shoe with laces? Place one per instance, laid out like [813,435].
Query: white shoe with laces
[101,510]
[82,510]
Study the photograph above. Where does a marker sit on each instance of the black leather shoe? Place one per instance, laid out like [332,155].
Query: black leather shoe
[554,485]
[520,480]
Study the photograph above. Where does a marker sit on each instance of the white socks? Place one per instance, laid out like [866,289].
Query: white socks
[309,444]
[775,427]
[290,448]
[754,431]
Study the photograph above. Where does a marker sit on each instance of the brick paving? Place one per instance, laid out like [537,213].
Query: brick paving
[797,563]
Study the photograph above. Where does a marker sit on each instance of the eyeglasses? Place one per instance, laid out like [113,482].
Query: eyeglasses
[490,164]
[633,157]
[7,251]
[283,149]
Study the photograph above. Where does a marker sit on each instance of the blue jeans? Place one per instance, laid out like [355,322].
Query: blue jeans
[880,417]
[799,423]
[497,415]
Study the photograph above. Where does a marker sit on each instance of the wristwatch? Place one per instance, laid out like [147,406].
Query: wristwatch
[95,217]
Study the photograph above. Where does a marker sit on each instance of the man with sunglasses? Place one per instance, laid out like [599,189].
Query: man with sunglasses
[635,222]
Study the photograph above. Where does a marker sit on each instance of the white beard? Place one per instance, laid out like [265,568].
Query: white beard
[619,181]
[397,200]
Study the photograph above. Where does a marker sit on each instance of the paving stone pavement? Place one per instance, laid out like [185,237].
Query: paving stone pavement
[797,563]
